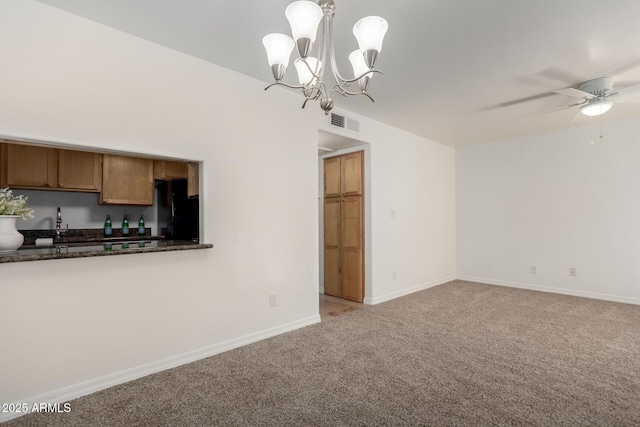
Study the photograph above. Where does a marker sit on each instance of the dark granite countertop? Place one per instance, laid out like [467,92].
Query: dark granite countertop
[93,249]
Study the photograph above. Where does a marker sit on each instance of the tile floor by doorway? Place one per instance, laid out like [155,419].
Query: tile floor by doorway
[331,307]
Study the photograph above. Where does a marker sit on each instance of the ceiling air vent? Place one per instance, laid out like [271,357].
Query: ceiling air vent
[344,123]
[337,120]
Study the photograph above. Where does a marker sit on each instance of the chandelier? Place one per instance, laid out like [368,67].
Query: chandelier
[304,18]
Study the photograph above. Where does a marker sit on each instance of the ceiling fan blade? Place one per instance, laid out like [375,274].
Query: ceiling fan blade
[576,116]
[626,90]
[628,99]
[566,107]
[575,93]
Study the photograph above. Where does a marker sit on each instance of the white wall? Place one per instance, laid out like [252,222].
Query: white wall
[72,326]
[77,325]
[416,178]
[555,201]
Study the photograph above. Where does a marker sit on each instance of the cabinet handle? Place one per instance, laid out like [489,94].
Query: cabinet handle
[51,184]
[105,200]
[61,184]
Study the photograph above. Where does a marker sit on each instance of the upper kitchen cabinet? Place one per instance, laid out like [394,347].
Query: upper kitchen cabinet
[193,183]
[3,165]
[165,170]
[32,166]
[79,170]
[126,180]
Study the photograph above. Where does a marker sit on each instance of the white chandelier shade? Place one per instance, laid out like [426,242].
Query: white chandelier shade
[305,75]
[357,63]
[370,32]
[304,17]
[279,47]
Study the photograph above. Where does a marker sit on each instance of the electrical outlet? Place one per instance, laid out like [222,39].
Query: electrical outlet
[487,263]
[392,213]
[394,275]
[573,272]
[533,269]
[273,299]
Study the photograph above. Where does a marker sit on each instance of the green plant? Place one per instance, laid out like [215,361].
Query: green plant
[14,205]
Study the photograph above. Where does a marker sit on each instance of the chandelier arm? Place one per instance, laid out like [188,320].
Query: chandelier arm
[323,88]
[318,77]
[363,75]
[332,53]
[283,84]
[342,91]
[322,49]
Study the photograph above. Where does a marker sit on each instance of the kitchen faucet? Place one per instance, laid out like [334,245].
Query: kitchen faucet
[58,223]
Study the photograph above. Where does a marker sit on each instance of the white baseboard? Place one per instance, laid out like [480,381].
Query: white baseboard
[403,292]
[74,391]
[322,289]
[563,291]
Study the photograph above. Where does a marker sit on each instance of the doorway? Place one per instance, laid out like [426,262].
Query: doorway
[348,266]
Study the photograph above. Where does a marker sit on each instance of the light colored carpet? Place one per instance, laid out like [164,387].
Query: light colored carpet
[457,354]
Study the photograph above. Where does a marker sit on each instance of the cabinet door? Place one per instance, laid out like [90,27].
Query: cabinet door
[352,248]
[3,164]
[127,180]
[168,169]
[332,177]
[332,250]
[31,166]
[193,178]
[79,170]
[351,174]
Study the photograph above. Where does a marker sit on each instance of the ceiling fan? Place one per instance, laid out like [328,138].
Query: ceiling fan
[597,95]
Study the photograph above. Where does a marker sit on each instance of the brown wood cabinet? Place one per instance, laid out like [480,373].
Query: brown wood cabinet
[167,169]
[344,226]
[193,183]
[31,166]
[79,170]
[3,164]
[126,180]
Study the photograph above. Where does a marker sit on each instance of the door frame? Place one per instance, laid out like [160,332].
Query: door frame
[368,282]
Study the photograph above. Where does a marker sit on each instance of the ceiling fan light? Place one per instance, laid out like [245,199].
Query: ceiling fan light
[370,32]
[304,17]
[305,77]
[596,108]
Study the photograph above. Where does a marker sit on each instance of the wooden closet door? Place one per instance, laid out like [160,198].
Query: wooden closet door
[344,226]
[332,176]
[351,174]
[332,249]
[352,248]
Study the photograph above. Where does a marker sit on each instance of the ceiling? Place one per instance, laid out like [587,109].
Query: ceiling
[458,72]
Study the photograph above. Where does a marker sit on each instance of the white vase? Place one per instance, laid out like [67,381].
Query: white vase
[10,238]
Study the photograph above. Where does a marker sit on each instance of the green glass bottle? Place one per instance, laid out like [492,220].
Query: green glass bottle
[141,229]
[125,226]
[108,228]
